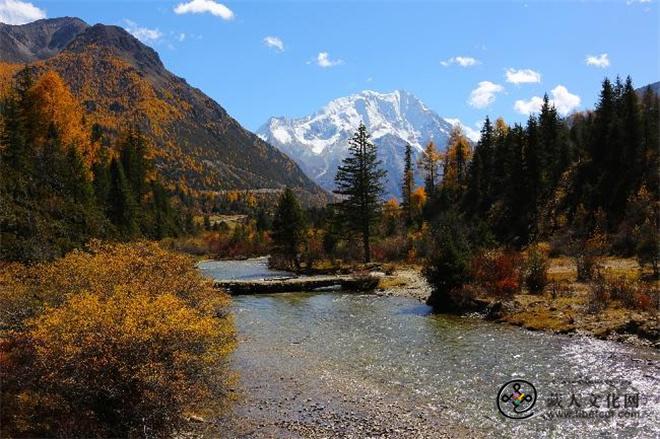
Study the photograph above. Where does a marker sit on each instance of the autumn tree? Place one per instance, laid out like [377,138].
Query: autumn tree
[391,216]
[417,203]
[359,183]
[429,162]
[62,185]
[456,161]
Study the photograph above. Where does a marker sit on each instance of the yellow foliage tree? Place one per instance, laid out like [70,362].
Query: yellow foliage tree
[456,159]
[418,201]
[429,162]
[52,102]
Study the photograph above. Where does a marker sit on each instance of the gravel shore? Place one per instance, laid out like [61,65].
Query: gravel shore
[329,404]
[405,282]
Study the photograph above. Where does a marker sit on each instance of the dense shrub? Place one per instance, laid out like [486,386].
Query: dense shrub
[243,241]
[588,254]
[120,341]
[647,247]
[634,294]
[448,267]
[497,271]
[391,249]
[313,248]
[536,270]
[598,297]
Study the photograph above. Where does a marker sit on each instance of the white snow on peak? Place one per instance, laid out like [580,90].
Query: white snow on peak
[319,141]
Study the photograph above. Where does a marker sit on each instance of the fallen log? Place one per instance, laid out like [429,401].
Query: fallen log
[290,285]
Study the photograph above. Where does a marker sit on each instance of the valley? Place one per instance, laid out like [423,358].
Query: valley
[354,265]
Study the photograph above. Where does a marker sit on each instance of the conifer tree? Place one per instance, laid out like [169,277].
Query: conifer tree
[123,208]
[549,146]
[650,139]
[407,187]
[101,180]
[359,182]
[164,217]
[288,228]
[133,152]
[480,171]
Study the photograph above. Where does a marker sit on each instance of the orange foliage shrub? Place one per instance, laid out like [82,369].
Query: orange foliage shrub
[120,341]
[242,241]
[497,271]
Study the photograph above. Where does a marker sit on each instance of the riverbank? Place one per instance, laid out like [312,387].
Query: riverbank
[562,308]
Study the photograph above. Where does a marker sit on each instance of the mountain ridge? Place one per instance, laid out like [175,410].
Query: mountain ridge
[121,81]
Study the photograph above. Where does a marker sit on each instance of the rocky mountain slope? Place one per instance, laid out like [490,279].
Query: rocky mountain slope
[120,81]
[655,86]
[320,141]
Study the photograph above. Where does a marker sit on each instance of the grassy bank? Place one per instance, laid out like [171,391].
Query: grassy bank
[619,303]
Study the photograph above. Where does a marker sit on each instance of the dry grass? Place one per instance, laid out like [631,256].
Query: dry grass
[395,281]
[563,269]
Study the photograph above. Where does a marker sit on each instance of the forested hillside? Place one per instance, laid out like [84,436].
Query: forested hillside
[121,82]
[64,182]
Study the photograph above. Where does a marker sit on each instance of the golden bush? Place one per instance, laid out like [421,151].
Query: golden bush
[122,340]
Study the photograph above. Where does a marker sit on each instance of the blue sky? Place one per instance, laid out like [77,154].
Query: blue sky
[463,59]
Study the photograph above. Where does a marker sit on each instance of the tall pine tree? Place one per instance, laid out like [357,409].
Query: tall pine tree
[359,182]
[407,186]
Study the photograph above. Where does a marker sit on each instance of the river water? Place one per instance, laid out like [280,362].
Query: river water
[353,365]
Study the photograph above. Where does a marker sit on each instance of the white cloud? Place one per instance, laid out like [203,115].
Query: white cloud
[324,61]
[528,107]
[181,37]
[18,12]
[522,76]
[469,132]
[484,94]
[275,43]
[143,34]
[630,2]
[563,100]
[204,6]
[600,61]
[463,61]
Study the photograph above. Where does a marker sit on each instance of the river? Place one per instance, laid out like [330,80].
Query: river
[331,364]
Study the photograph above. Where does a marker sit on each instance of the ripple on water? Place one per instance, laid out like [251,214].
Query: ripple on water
[439,364]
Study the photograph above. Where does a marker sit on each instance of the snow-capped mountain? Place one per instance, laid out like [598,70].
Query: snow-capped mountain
[319,142]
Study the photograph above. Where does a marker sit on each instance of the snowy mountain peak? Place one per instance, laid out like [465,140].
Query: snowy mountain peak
[319,142]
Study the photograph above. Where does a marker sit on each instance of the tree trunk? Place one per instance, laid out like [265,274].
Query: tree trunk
[365,245]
